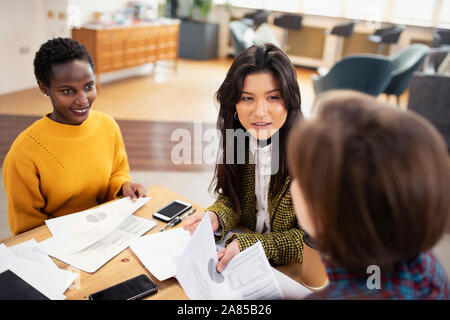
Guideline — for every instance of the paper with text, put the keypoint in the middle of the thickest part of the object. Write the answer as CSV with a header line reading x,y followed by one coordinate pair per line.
x,y
247,276
79,230
91,258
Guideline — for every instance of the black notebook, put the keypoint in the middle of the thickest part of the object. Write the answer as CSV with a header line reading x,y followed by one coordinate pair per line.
x,y
15,288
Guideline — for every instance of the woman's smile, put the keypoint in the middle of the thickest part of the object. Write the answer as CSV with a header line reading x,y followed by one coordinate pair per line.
x,y
80,111
261,108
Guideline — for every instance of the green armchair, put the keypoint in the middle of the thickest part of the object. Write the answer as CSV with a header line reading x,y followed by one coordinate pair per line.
x,y
366,73
405,62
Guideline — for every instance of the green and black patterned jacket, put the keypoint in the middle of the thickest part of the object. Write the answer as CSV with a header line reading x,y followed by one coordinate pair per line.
x,y
284,243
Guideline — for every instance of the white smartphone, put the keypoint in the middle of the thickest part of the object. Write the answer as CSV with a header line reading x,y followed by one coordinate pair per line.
x,y
172,210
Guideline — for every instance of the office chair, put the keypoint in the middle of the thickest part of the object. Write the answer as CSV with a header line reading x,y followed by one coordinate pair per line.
x,y
434,59
405,62
288,22
365,73
259,17
388,35
441,37
341,31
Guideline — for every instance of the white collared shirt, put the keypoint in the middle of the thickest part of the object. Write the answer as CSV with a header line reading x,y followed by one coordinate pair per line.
x,y
263,169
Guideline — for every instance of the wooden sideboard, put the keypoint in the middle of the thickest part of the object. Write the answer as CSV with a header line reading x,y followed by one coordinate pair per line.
x,y
115,48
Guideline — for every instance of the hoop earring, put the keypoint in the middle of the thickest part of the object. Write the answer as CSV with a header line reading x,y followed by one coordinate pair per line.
x,y
236,116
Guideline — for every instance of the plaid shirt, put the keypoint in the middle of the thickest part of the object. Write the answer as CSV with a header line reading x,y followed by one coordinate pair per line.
x,y
284,244
420,278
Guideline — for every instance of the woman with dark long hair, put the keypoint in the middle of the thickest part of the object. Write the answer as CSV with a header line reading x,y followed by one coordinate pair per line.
x,y
259,105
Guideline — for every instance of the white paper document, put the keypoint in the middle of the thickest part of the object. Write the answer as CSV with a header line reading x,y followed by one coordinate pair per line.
x,y
247,276
91,258
30,250
82,229
37,269
193,260
158,251
292,290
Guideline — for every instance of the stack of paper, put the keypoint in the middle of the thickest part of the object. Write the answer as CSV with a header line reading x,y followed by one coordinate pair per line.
x,y
193,260
36,268
88,239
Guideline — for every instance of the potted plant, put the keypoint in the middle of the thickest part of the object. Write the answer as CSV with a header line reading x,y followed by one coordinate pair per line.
x,y
198,37
200,9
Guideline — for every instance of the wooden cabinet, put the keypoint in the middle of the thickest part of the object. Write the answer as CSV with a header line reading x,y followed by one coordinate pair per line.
x,y
124,47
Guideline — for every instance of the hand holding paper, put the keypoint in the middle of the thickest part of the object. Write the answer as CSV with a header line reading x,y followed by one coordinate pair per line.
x,y
247,276
227,254
193,261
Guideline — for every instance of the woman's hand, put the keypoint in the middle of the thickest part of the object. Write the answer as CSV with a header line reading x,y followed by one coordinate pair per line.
x,y
227,254
191,223
133,190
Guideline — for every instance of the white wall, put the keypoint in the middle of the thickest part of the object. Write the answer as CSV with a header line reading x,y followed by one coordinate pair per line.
x,y
21,33
25,25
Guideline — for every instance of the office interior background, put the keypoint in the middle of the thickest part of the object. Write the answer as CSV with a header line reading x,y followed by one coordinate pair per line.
x,y
162,79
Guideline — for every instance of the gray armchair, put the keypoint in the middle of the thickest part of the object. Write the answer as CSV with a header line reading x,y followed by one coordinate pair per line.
x,y
441,37
429,96
239,38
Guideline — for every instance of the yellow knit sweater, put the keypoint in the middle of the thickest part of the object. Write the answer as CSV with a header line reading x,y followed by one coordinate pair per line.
x,y
54,169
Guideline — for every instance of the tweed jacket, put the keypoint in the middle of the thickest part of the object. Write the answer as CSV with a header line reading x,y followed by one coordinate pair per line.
x,y
284,244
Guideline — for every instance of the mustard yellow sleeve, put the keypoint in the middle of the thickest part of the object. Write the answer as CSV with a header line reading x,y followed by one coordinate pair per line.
x,y
281,247
21,181
121,170
227,215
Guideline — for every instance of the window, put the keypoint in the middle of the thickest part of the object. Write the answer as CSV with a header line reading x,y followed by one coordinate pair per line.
x,y
256,4
283,5
374,10
413,10
444,16
322,7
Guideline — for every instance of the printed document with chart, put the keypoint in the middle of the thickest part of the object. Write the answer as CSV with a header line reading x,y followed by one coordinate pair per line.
x,y
247,276
88,239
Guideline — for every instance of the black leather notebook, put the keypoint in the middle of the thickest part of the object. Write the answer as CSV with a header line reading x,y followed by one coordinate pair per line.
x,y
15,288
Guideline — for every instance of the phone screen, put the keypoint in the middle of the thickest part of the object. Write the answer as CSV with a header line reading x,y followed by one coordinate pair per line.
x,y
173,209
131,289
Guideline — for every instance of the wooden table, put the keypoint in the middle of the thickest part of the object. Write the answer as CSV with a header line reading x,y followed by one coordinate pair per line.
x,y
126,265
